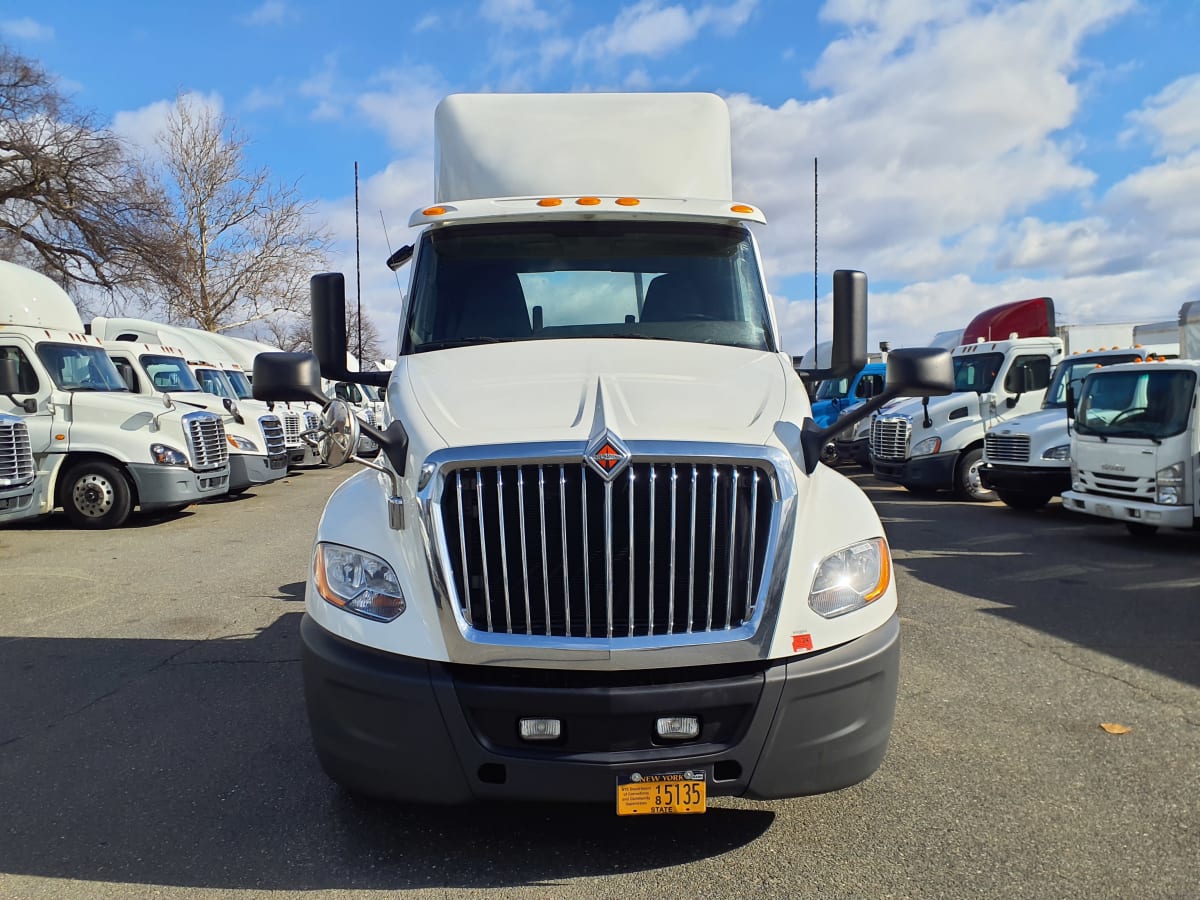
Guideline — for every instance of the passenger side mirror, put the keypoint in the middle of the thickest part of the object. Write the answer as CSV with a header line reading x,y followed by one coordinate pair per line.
x,y
848,353
10,384
340,432
286,377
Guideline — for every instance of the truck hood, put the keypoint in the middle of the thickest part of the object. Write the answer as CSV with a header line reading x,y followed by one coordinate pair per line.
x,y
1123,457
565,390
1045,427
940,408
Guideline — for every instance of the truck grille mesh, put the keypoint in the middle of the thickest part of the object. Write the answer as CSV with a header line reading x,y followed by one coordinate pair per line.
x,y
1006,447
206,441
555,550
16,455
889,438
291,428
1125,487
272,430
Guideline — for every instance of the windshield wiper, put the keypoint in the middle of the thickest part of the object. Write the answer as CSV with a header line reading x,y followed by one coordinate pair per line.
x,y
461,342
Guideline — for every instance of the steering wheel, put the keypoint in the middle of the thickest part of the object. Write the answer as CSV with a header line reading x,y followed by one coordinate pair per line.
x,y
1127,414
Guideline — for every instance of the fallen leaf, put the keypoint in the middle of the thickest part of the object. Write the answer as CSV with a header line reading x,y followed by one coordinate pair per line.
x,y
1114,728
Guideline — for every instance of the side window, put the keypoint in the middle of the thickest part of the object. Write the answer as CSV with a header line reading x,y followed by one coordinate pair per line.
x,y
26,376
1028,373
128,375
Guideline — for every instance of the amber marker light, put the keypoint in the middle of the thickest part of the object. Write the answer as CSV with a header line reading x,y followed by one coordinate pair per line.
x,y
741,208
588,201
628,201
550,201
434,211
885,573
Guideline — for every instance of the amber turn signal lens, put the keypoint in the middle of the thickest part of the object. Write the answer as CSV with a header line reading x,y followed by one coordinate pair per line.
x,y
549,201
588,201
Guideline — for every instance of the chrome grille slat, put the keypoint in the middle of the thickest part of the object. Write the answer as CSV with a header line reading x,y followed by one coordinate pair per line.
x,y
618,561
1006,447
889,438
292,428
272,429
16,455
207,445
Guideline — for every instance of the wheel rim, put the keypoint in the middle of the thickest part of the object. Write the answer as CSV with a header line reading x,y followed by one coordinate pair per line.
x,y
974,483
93,495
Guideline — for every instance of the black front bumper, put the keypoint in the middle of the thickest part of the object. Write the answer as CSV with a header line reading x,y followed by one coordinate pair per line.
x,y
434,732
858,451
1026,479
932,472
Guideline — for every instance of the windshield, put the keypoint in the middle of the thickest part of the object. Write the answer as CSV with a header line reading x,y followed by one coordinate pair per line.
x,y
77,368
554,280
1149,404
834,389
168,373
344,390
213,381
976,371
1074,371
237,380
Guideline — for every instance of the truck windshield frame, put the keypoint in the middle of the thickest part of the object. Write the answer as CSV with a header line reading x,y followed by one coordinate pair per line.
x,y
553,280
75,367
976,372
169,373
1077,370
1151,404
241,387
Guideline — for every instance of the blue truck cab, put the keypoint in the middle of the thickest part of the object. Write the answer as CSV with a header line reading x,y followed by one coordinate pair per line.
x,y
836,394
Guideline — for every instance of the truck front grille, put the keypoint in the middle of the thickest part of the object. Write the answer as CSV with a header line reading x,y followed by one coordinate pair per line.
x,y
206,441
16,455
555,550
1006,447
291,428
1125,487
889,438
272,430
311,420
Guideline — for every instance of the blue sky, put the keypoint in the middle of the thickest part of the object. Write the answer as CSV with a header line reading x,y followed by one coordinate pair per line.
x,y
971,152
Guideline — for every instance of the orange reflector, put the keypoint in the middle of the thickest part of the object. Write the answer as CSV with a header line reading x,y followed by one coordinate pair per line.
x,y
628,201
801,641
741,208
588,201
434,211
60,437
550,201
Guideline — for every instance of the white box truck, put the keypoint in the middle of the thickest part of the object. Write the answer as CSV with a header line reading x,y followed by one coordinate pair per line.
x,y
102,450
600,559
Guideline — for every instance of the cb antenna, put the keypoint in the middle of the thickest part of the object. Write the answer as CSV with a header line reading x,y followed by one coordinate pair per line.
x,y
358,265
816,342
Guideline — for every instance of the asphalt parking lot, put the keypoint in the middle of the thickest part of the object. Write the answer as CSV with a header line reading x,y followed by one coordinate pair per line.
x,y
153,739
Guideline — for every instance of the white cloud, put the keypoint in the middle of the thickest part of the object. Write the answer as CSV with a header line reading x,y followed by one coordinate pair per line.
x,y
142,126
516,15
270,12
261,98
402,104
1171,118
26,29
650,28
427,22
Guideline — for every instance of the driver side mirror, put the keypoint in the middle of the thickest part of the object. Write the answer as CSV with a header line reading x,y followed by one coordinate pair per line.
x,y
10,384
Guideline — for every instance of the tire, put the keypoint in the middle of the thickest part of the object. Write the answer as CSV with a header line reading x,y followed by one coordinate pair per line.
x,y
96,494
1141,529
1017,500
967,485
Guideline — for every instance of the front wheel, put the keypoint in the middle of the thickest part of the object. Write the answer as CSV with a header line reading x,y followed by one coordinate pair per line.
x,y
967,483
1141,529
96,495
1023,501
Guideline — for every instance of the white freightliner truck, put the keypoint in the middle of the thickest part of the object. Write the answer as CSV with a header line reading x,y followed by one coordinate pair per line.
x,y
256,451
929,446
1027,461
598,558
100,449
20,486
1135,439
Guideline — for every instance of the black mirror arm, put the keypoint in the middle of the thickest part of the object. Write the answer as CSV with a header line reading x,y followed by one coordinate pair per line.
x,y
29,405
393,440
813,437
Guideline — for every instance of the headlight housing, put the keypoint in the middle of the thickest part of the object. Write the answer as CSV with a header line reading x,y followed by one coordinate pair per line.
x,y
241,443
1061,452
1170,485
927,447
167,456
851,578
358,582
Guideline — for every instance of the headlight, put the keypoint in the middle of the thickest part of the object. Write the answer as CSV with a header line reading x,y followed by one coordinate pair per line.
x,y
1170,485
1062,451
851,578
167,456
927,447
1076,484
240,443
358,582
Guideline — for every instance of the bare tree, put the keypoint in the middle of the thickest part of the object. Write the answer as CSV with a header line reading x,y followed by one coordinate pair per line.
x,y
243,247
293,332
75,202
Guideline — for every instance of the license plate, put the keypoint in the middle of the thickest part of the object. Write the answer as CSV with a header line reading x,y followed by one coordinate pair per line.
x,y
1103,509
663,793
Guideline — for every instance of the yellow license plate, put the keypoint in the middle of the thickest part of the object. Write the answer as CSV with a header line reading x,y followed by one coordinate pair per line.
x,y
665,793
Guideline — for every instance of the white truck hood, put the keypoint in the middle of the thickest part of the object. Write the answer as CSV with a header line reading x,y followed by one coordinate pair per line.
x,y
556,390
939,408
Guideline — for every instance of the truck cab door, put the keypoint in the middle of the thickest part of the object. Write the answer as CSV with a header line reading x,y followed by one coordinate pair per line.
x,y
1025,385
32,386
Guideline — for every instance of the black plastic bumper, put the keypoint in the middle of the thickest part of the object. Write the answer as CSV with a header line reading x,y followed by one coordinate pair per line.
x,y
246,469
165,486
1026,479
933,472
854,451
438,733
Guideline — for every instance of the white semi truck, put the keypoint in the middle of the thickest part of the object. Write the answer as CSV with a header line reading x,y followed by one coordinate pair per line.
x,y
101,450
20,486
1135,441
1027,461
598,558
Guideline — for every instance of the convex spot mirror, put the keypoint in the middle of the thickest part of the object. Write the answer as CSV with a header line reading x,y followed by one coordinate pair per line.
x,y
920,372
339,433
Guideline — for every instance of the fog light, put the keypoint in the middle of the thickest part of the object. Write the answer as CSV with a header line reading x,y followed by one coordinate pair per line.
x,y
677,728
541,729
